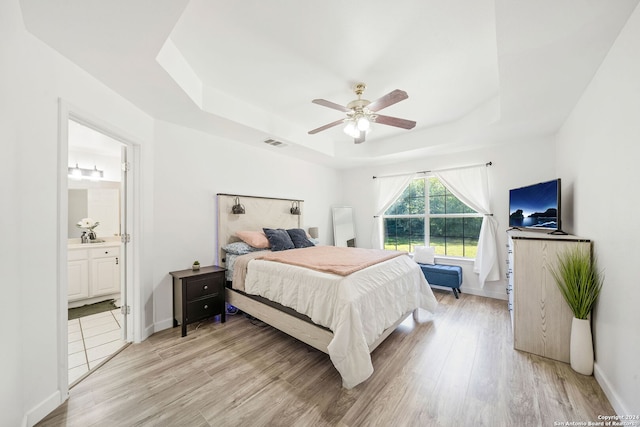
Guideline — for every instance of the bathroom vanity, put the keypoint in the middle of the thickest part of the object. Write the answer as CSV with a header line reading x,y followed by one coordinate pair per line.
x,y
93,272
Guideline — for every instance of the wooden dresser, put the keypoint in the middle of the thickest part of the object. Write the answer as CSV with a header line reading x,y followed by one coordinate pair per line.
x,y
540,316
197,295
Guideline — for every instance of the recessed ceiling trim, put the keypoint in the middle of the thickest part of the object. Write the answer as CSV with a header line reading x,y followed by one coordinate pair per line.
x,y
180,71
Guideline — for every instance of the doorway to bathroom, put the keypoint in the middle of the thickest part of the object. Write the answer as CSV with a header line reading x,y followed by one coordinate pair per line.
x,y
96,248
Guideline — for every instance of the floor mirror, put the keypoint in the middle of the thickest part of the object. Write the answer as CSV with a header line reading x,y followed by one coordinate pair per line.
x,y
344,233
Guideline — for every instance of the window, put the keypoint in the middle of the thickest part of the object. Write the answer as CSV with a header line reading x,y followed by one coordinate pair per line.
x,y
426,213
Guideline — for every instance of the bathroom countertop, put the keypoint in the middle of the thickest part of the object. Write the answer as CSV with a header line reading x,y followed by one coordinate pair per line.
x,y
108,242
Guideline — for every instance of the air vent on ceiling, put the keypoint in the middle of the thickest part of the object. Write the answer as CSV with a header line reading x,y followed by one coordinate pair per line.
x,y
275,143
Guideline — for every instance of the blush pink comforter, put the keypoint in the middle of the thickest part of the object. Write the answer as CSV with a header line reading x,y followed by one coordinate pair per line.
x,y
331,259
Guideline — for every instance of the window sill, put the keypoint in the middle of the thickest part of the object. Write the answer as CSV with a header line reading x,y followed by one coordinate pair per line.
x,y
442,259
452,259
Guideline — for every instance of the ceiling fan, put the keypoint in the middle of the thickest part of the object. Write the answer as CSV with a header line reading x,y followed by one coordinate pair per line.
x,y
360,113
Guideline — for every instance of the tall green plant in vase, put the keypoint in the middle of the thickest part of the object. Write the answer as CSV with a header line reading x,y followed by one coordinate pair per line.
x,y
580,282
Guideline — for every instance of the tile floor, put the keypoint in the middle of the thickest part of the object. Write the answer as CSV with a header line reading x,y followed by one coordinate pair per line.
x,y
92,339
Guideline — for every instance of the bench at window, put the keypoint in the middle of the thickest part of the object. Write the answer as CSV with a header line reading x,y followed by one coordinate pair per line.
x,y
449,276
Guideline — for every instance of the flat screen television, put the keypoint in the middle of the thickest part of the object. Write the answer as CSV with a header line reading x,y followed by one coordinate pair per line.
x,y
536,206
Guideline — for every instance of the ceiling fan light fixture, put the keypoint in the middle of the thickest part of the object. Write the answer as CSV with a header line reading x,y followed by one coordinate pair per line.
x,y
363,124
361,113
351,129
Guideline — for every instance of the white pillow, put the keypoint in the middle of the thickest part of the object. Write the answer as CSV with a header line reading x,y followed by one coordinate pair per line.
x,y
424,254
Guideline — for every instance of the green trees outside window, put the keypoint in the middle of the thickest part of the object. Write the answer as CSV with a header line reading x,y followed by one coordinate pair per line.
x,y
426,213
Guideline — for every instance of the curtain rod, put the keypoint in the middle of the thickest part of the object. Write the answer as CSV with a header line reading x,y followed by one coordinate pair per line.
x,y
436,170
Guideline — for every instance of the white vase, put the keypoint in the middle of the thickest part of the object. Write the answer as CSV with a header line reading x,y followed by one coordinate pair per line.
x,y
581,346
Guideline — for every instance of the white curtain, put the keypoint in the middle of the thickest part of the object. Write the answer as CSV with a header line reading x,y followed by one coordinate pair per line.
x,y
387,190
470,185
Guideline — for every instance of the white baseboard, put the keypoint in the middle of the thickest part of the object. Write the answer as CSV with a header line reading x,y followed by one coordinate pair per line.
x,y
44,408
473,291
613,397
163,324
147,332
484,293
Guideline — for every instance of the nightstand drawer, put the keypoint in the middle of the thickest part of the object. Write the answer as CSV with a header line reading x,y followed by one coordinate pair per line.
x,y
198,287
203,308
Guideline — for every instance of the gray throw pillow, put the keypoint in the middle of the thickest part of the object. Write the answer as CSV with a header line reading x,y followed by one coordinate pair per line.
x,y
279,239
299,238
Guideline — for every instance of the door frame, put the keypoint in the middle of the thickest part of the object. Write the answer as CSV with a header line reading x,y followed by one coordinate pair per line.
x,y
133,323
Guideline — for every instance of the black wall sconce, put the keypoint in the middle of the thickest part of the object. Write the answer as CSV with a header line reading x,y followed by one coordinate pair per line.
x,y
295,208
237,208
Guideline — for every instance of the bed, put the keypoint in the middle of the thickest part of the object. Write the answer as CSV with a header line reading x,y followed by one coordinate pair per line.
x,y
344,315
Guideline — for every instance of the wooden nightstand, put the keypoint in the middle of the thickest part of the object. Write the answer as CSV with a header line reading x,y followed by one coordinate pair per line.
x,y
197,295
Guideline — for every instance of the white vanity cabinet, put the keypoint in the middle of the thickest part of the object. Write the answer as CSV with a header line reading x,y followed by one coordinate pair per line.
x,y
78,274
93,271
105,271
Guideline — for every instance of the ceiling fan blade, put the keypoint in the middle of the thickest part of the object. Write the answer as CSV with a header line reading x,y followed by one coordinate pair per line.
x,y
360,139
394,121
388,99
330,104
327,126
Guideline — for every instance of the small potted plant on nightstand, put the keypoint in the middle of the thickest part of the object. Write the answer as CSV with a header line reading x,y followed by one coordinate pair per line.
x,y
196,265
579,281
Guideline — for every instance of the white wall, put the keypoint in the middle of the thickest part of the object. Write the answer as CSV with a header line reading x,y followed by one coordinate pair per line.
x,y
176,229
598,155
32,78
11,387
191,167
514,165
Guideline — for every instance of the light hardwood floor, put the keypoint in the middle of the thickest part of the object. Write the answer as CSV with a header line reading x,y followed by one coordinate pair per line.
x,y
455,368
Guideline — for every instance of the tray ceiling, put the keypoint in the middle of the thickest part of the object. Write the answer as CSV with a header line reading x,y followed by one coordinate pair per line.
x,y
478,72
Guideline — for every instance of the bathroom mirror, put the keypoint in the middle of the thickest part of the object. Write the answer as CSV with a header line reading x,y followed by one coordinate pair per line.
x,y
100,203
344,233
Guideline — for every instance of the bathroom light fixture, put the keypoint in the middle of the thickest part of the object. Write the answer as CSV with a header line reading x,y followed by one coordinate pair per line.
x,y
295,208
77,172
96,174
237,208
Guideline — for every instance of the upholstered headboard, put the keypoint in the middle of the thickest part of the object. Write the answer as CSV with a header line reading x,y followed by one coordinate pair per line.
x,y
259,212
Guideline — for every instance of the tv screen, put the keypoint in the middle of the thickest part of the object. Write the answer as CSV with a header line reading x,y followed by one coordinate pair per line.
x,y
536,206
